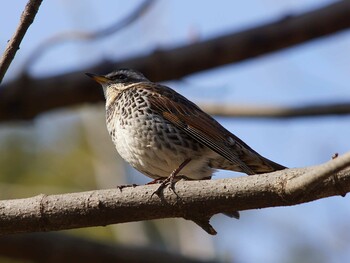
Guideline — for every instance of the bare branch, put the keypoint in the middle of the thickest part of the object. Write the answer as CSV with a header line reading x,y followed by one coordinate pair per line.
x,y
27,19
245,111
43,247
25,97
285,32
313,178
193,200
87,36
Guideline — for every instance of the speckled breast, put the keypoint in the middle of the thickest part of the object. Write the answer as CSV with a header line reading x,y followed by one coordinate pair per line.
x,y
147,141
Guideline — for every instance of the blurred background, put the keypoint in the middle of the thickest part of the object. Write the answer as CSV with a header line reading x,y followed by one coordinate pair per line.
x,y
68,149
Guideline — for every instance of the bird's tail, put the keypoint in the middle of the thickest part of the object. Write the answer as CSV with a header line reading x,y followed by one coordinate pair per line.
x,y
270,166
250,162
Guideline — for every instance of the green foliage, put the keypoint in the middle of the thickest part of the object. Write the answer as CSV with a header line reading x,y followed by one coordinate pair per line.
x,y
31,164
50,156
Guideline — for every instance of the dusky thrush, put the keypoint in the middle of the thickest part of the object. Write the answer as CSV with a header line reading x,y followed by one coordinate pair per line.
x,y
163,135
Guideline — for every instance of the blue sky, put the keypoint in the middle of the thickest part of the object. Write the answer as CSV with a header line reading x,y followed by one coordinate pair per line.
x,y
315,72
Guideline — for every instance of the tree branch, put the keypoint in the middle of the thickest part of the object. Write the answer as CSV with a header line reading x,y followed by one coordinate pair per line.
x,y
86,36
27,19
245,111
43,247
193,200
313,178
25,98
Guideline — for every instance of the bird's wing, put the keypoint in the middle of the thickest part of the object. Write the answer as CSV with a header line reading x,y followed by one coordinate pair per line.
x,y
200,126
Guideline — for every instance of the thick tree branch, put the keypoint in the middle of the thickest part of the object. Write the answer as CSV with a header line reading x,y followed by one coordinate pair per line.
x,y
27,19
25,98
43,247
193,200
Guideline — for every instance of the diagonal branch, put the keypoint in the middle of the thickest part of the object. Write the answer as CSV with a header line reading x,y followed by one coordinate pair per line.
x,y
27,19
25,98
87,36
193,200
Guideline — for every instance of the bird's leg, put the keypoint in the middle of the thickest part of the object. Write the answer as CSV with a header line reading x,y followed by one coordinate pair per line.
x,y
170,179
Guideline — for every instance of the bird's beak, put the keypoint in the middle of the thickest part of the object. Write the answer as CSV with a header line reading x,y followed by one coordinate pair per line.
x,y
98,78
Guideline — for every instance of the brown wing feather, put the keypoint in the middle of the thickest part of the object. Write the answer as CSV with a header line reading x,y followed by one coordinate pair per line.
x,y
188,117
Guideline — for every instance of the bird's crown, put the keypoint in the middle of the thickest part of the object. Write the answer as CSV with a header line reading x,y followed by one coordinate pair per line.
x,y
125,76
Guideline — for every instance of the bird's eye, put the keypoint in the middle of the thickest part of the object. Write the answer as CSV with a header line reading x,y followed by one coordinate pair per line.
x,y
121,76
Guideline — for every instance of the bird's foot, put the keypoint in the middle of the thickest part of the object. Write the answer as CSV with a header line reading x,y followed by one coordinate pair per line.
x,y
171,179
163,184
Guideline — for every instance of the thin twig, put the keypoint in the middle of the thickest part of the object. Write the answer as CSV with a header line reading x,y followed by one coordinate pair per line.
x,y
26,20
86,36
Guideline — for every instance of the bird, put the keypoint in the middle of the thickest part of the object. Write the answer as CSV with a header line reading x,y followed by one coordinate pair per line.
x,y
165,136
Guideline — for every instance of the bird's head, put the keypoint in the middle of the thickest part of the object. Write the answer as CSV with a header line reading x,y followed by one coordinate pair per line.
x,y
118,80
